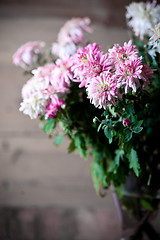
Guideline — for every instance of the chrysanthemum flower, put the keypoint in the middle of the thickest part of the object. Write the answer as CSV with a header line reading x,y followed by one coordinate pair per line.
x,y
35,105
43,76
62,74
28,55
47,81
53,78
142,17
73,31
118,54
128,74
63,50
54,106
71,37
88,63
155,39
102,90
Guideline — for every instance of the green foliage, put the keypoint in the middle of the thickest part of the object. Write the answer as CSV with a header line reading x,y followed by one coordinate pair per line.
x,y
81,145
147,204
49,126
58,140
134,162
116,162
98,175
108,133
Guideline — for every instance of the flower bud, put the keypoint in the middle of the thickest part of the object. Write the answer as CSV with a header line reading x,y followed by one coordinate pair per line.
x,y
94,119
126,122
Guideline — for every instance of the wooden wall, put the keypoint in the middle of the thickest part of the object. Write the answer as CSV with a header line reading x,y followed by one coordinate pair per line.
x,y
111,13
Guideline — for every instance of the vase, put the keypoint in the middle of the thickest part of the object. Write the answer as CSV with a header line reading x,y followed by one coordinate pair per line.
x,y
138,220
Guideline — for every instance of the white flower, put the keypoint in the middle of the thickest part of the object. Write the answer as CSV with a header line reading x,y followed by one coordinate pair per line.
x,y
35,105
34,99
155,39
63,51
28,55
142,17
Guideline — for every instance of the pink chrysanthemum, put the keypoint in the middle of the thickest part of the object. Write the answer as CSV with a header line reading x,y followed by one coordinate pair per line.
x,y
71,37
54,106
54,78
88,63
28,55
128,74
102,90
73,31
62,74
119,54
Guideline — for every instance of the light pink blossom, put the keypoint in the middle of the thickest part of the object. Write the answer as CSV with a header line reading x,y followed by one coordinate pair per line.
x,y
73,31
102,90
88,63
62,74
54,106
39,91
128,74
53,78
28,55
71,37
118,54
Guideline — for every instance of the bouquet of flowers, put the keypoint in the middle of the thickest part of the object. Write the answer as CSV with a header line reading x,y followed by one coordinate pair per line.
x,y
107,103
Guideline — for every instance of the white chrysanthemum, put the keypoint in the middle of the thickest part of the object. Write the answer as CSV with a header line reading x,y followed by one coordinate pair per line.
x,y
155,39
63,51
142,17
35,105
31,86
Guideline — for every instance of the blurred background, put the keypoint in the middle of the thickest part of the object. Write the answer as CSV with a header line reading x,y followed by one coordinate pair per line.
x,y
46,193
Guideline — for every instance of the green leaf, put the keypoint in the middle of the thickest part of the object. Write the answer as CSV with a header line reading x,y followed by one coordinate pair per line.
x,y
137,129
112,110
98,175
49,126
130,109
99,127
72,146
81,144
108,133
146,204
127,136
58,140
116,163
136,126
134,162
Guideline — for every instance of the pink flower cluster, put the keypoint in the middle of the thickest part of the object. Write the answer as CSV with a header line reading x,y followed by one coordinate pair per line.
x,y
41,93
106,75
70,36
88,63
28,55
